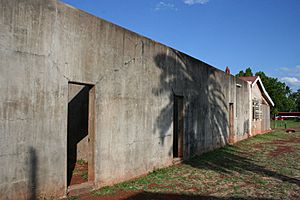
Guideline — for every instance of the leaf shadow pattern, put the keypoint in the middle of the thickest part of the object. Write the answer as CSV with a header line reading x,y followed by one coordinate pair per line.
x,y
227,161
165,196
205,91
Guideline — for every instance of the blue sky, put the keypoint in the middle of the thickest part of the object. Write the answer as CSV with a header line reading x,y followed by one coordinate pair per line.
x,y
261,34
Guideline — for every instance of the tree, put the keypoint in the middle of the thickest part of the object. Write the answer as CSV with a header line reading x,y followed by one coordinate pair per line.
x,y
248,72
240,74
297,101
295,98
279,93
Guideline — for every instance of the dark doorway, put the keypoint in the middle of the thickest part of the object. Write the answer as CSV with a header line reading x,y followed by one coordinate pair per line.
x,y
231,123
178,127
80,133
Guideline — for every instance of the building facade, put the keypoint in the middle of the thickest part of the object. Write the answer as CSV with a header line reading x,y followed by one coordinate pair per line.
x,y
260,106
74,86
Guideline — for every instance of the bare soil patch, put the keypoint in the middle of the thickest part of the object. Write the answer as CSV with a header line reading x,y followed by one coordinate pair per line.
x,y
80,173
281,149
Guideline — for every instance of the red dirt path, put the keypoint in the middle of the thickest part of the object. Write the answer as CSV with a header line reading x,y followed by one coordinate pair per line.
x,y
79,170
281,149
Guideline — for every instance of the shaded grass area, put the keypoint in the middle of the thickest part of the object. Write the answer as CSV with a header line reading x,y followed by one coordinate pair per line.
x,y
263,167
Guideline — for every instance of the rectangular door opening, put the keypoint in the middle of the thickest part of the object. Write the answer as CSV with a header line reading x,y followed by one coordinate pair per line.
x,y
80,139
178,121
231,123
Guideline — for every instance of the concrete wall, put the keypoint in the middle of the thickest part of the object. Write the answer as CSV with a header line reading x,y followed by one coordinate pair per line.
x,y
266,127
45,44
243,113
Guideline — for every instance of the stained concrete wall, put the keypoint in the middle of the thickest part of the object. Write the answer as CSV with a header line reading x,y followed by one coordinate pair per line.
x,y
243,113
45,44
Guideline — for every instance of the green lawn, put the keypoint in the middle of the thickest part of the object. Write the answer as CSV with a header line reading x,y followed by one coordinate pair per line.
x,y
281,123
263,167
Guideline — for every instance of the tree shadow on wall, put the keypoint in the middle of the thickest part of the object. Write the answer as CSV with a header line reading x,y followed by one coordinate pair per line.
x,y
205,107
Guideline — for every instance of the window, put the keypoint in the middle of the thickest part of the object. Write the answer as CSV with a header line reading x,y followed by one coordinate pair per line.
x,y
257,110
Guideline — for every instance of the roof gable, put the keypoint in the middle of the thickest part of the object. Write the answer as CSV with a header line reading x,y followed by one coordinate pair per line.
x,y
256,80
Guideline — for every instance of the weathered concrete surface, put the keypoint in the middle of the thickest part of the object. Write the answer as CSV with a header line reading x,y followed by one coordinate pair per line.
x,y
243,113
33,99
45,44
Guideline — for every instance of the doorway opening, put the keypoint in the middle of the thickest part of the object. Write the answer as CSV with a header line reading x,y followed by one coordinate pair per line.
x,y
231,123
80,134
178,129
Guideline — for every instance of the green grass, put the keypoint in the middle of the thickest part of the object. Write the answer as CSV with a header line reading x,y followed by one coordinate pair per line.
x,y
105,190
84,175
281,123
245,169
81,162
73,198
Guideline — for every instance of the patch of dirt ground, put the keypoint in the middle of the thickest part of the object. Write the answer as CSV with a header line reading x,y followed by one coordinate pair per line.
x,y
80,173
281,149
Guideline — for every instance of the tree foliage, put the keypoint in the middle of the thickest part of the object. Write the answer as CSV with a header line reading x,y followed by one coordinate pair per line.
x,y
284,99
248,72
295,98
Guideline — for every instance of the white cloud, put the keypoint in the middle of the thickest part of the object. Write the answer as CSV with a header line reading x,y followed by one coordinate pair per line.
x,y
192,2
290,75
290,69
289,72
292,82
165,6
285,69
